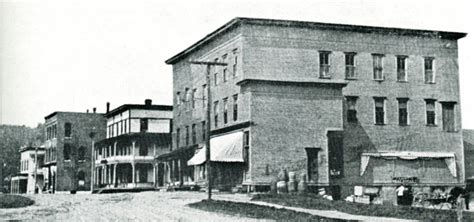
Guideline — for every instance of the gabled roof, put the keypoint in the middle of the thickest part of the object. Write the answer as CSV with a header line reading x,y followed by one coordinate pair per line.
x,y
315,25
138,106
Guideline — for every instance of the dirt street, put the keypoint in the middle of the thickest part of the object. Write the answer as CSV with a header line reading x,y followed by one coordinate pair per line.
x,y
144,206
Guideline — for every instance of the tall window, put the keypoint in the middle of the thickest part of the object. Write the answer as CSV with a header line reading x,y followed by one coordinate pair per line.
x,y
401,69
216,113
67,130
178,137
224,103
378,66
234,64
187,135
193,98
351,109
402,111
204,97
143,125
429,70
448,117
67,151
216,72
324,64
125,126
430,112
235,107
350,65
186,98
379,110
224,70
193,133
203,130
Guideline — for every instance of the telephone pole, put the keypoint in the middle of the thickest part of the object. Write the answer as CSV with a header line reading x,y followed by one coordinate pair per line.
x,y
208,120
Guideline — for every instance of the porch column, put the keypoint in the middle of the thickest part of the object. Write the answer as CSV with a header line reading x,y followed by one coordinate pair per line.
x,y
114,182
133,174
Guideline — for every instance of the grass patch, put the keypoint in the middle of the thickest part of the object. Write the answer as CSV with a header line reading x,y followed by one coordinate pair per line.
x,y
256,211
14,201
313,201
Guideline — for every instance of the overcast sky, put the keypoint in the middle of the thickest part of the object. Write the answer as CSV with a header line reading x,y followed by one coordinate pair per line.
x,y
75,55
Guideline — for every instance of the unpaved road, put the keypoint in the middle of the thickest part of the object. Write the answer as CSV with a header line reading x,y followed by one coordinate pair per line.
x,y
144,206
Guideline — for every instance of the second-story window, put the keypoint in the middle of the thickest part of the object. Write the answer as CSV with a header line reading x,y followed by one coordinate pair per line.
x,y
350,65
216,113
224,104
324,64
67,151
402,111
401,69
143,125
351,109
193,98
378,66
448,117
234,64
430,112
193,134
429,70
379,110
67,130
235,107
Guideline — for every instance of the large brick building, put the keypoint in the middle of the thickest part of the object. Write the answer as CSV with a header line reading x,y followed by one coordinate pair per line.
x,y
125,160
347,105
68,149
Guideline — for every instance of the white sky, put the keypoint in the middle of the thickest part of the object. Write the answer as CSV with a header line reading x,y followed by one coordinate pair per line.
x,y
75,55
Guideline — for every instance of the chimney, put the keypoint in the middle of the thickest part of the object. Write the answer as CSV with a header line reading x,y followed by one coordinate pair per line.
x,y
94,110
87,111
147,102
108,107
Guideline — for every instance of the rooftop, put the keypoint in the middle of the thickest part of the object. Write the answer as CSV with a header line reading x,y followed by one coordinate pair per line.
x,y
72,113
314,25
138,106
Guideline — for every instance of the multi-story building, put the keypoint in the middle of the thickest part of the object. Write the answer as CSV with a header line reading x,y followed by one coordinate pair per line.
x,y
69,137
30,179
346,105
136,133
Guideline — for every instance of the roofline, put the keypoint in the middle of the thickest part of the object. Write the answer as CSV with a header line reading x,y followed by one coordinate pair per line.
x,y
27,148
294,82
70,112
319,25
138,106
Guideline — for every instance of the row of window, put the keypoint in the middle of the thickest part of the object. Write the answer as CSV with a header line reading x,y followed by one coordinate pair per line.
x,y
50,155
122,127
378,67
403,117
225,72
110,151
216,110
24,165
51,132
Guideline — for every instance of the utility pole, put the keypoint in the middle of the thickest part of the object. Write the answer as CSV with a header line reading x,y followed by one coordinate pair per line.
x,y
91,135
36,169
208,120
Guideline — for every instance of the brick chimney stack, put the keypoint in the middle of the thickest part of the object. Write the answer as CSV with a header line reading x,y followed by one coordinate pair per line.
x,y
148,102
107,107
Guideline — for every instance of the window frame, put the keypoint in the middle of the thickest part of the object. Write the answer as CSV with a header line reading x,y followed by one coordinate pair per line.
x,y
402,100
351,114
384,110
350,68
377,68
235,107
324,64
425,70
403,69
427,101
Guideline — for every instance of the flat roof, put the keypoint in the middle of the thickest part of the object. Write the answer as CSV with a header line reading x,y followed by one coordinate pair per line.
x,y
67,112
138,106
338,83
315,25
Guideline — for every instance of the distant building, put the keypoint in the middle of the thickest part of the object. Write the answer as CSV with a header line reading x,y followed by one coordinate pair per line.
x,y
68,149
346,105
31,176
136,133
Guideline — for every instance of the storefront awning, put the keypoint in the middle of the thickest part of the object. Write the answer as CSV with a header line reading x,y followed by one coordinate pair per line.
x,y
449,158
226,148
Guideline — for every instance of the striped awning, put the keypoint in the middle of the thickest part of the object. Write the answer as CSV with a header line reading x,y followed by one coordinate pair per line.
x,y
225,148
